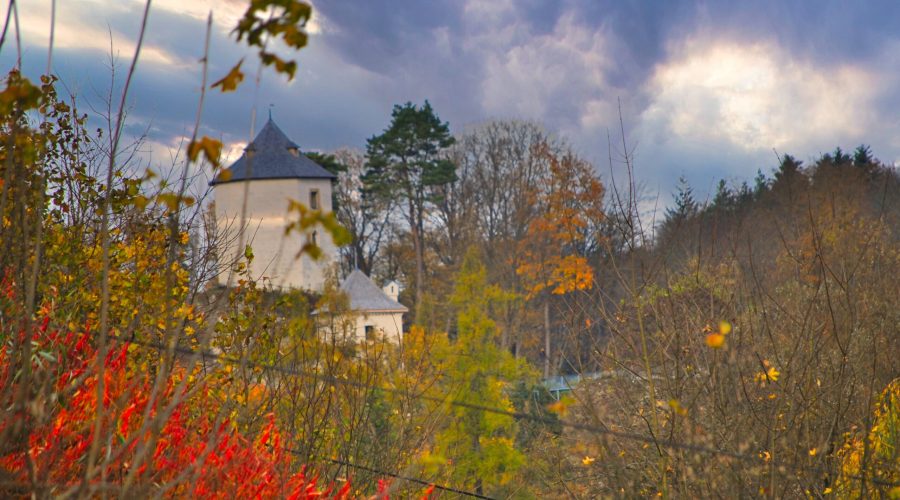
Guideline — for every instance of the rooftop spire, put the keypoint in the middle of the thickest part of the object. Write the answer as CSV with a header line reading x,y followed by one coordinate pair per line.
x,y
275,156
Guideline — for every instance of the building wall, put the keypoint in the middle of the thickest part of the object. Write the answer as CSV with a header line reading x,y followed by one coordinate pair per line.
x,y
352,326
389,324
267,216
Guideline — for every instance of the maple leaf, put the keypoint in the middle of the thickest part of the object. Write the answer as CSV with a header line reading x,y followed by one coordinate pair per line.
x,y
230,82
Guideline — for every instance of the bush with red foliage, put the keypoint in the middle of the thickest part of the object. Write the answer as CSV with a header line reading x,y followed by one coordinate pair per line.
x,y
167,440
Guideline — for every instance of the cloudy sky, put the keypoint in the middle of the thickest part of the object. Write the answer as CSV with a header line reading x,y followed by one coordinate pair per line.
x,y
707,89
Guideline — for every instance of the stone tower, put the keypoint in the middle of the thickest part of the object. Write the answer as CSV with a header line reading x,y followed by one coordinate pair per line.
x,y
270,172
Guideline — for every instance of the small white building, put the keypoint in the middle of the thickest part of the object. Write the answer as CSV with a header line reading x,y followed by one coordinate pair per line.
x,y
376,310
270,172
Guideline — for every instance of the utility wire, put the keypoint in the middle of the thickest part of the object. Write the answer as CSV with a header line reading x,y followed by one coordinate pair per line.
x,y
211,355
208,354
402,477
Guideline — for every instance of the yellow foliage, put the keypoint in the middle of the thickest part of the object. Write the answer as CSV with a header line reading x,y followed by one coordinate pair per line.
x,y
211,149
677,408
770,374
230,82
882,452
724,327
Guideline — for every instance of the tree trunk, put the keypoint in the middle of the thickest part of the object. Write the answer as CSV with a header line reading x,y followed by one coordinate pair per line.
x,y
547,338
476,446
415,229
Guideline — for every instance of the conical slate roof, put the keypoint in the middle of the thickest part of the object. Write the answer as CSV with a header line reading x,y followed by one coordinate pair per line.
x,y
273,156
366,296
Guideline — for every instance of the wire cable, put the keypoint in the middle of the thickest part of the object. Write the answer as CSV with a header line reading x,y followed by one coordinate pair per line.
x,y
207,354
402,477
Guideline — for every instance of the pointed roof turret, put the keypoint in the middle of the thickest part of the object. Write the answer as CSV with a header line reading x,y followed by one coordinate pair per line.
x,y
366,296
272,155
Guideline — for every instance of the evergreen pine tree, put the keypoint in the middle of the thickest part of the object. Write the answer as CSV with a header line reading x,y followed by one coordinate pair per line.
x,y
405,163
685,205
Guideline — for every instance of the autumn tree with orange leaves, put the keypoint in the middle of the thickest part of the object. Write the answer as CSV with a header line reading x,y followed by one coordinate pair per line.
x,y
555,247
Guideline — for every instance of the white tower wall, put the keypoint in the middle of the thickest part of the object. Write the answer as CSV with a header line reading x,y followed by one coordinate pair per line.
x,y
275,254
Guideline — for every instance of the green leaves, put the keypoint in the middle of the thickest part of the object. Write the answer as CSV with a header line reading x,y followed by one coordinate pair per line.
x,y
328,162
282,66
307,220
480,445
266,21
407,156
287,19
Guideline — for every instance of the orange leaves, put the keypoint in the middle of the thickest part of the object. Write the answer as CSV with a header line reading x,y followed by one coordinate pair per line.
x,y
572,273
716,339
565,274
553,258
561,407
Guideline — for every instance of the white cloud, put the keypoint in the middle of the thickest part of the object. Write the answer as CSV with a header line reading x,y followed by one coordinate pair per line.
x,y
542,74
225,13
756,96
75,30
490,12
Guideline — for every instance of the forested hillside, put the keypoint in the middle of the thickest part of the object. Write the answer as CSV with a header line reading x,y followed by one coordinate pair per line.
x,y
744,345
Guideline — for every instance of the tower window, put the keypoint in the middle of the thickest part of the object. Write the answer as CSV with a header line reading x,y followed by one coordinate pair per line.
x,y
314,199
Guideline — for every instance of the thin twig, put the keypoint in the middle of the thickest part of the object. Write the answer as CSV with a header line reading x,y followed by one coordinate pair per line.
x,y
105,244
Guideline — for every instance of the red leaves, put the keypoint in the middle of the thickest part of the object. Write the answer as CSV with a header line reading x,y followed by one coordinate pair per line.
x,y
382,490
126,416
226,464
344,492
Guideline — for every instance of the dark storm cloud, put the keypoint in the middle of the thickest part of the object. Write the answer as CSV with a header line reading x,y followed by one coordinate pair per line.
x,y
378,35
564,63
391,38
